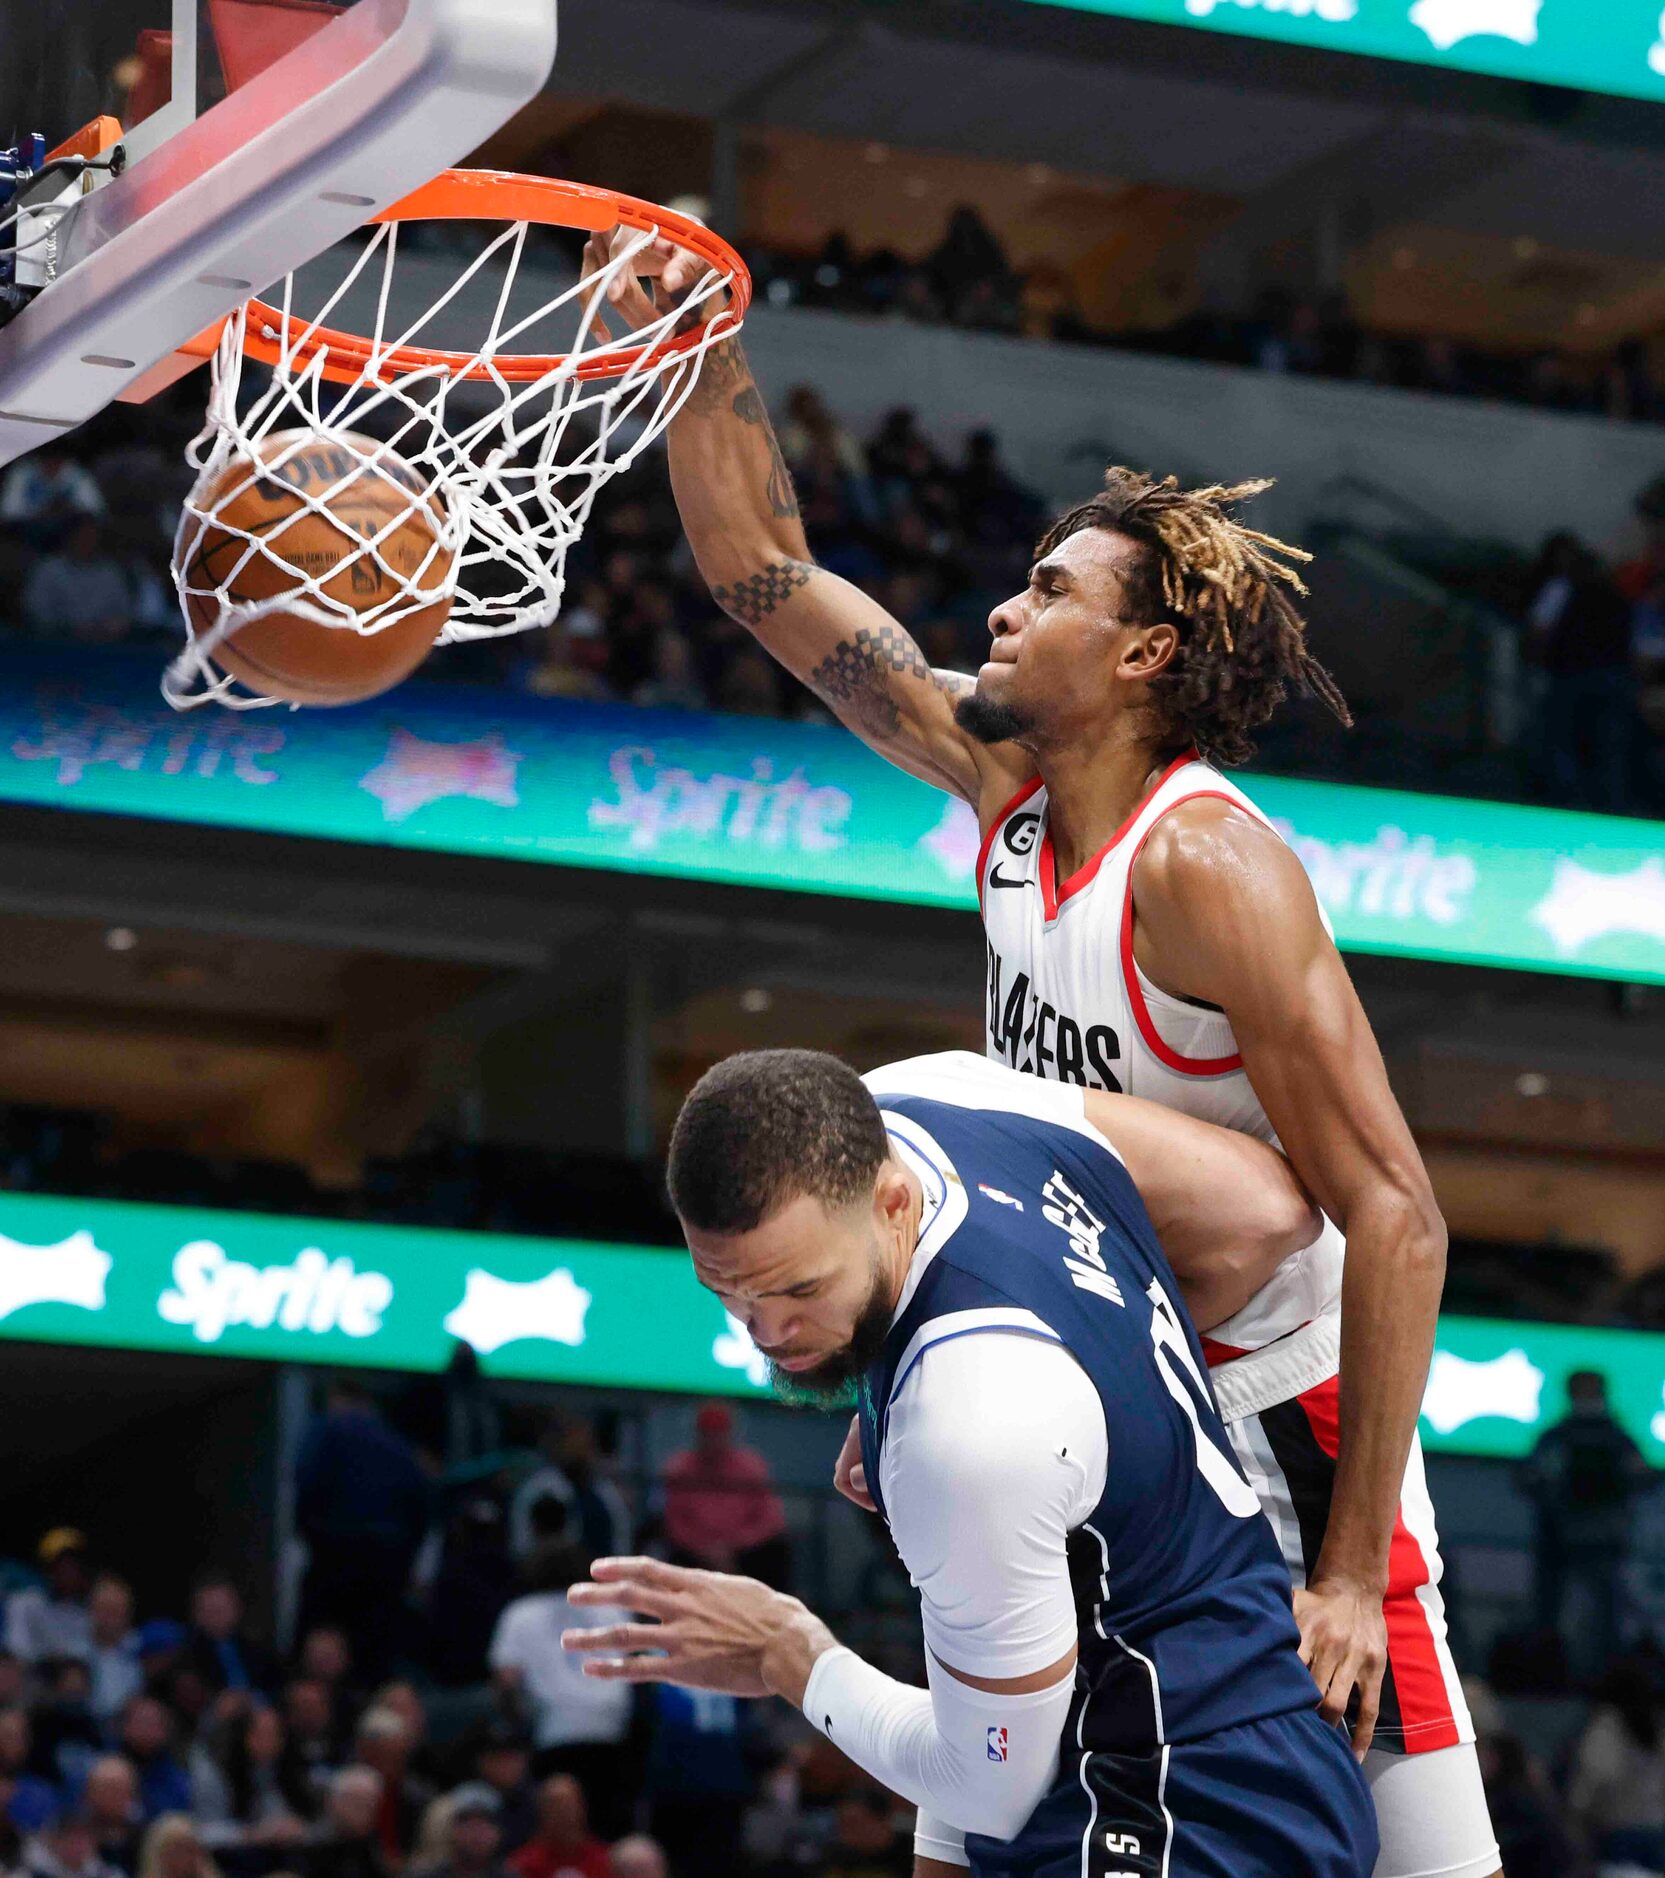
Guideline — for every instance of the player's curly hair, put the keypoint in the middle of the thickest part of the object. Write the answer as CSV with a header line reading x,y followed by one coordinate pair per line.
x,y
1229,589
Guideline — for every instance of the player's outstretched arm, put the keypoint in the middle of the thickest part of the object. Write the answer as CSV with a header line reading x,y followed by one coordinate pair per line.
x,y
1227,1208
1229,917
740,512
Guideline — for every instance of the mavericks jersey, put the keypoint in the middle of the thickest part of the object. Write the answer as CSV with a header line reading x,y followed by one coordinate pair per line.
x,y
1182,1599
1066,1000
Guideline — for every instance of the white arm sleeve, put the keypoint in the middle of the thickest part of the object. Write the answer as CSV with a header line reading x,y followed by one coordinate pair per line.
x,y
995,1449
933,1838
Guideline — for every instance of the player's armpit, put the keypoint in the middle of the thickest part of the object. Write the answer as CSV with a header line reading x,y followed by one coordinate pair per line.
x,y
1228,1209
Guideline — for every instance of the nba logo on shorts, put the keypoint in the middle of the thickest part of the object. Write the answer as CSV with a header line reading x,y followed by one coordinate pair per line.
x,y
997,1744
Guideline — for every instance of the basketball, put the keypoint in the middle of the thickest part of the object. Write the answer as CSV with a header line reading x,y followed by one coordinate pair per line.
x,y
313,518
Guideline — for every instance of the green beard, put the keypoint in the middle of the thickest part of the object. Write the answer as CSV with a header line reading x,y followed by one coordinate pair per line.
x,y
831,1383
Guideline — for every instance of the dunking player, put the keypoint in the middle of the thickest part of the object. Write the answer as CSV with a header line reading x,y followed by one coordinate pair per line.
x,y
1149,931
1115,1690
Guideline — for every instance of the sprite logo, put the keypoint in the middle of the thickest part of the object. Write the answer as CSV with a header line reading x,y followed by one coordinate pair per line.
x,y
313,1296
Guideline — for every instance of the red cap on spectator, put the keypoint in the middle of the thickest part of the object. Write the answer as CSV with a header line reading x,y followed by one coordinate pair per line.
x,y
714,1419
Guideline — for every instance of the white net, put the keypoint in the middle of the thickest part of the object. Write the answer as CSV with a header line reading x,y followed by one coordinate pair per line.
x,y
492,476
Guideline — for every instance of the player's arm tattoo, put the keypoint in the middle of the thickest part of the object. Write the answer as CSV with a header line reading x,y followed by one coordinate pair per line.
x,y
750,409
726,383
753,599
856,678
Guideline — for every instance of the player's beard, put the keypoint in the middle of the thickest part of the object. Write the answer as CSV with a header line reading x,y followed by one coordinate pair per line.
x,y
830,1384
990,721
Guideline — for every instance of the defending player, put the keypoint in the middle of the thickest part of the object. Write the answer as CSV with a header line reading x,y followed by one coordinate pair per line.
x,y
1148,930
1114,1685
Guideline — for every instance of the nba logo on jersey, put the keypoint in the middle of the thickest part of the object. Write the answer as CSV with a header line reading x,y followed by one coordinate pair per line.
x,y
997,1744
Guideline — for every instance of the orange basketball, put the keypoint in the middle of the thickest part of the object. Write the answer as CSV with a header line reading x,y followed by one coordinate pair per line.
x,y
285,655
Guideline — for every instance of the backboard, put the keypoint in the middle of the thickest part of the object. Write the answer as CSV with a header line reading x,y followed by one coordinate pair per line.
x,y
230,140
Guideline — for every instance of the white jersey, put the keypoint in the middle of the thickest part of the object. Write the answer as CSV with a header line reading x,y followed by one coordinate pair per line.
x,y
1066,1000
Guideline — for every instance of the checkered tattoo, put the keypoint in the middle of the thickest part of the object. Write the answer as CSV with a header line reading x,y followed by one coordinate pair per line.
x,y
854,678
752,600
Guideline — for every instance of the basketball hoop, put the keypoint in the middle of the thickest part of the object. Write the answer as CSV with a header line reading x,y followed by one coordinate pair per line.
x,y
508,448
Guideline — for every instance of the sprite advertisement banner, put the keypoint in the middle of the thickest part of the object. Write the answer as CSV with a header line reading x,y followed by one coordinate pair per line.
x,y
762,803
195,1282
1595,45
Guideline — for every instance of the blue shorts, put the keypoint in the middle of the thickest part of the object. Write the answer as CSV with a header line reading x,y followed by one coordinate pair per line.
x,y
1280,1798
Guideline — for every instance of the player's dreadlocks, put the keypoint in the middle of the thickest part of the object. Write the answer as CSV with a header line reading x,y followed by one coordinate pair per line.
x,y
1228,588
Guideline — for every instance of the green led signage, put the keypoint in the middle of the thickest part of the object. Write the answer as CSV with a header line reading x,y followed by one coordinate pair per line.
x,y
1595,45
337,1292
758,803
194,1282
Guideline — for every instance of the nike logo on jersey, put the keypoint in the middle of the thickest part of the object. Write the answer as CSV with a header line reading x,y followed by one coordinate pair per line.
x,y
998,879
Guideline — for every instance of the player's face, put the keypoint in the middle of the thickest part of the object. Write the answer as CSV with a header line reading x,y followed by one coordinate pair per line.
x,y
810,1284
1062,652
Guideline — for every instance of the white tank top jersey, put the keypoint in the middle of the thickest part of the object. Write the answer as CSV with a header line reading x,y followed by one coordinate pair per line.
x,y
1066,1000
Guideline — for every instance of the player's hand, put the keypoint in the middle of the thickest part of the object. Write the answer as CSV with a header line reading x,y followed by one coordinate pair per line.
x,y
1344,1644
849,1475
668,271
705,1630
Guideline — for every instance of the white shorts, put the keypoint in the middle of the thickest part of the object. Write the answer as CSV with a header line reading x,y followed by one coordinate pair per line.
x,y
1431,1809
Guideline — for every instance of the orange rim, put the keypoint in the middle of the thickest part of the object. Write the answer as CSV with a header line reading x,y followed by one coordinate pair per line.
x,y
497,196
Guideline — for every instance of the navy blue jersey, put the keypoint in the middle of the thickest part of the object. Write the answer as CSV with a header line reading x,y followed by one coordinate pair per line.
x,y
1182,1599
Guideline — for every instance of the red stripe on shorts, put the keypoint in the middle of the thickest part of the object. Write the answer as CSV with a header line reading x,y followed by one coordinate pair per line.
x,y
1424,1704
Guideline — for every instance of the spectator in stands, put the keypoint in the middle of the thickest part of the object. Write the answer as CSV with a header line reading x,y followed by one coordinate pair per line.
x,y
219,1649
1531,1833
867,1842
433,1839
173,1849
113,1654
579,1725
699,1776
1582,1477
53,1620
638,1856
382,1740
586,1504
503,1760
813,441
362,1505
314,1736
110,1801
475,1580
65,1848
45,493
476,1836
672,684
561,669
33,1797
970,275
1578,635
67,1737
403,1700
1617,1787
161,1644
79,591
251,1788
562,1842
721,1509
344,1844
147,1741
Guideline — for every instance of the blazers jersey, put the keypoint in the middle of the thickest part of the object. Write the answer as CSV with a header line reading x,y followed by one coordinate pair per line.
x,y
1066,1000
